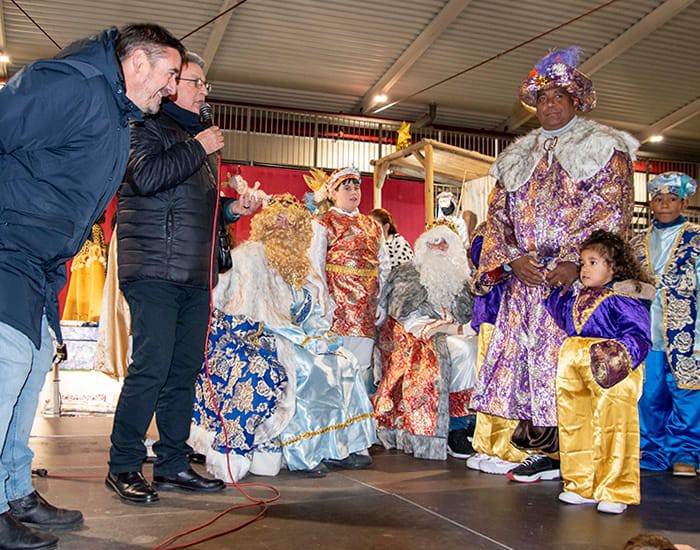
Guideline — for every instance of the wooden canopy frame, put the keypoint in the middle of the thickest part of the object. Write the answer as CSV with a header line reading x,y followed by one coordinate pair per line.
x,y
434,162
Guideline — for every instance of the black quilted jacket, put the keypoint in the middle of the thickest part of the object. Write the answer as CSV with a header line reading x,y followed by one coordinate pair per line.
x,y
166,206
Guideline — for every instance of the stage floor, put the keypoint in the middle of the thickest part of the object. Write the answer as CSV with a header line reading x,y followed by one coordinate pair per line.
x,y
400,503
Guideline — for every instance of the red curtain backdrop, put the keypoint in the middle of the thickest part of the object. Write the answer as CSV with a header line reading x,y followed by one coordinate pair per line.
x,y
404,199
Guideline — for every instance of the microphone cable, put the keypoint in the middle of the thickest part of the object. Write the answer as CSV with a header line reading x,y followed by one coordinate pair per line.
x,y
263,503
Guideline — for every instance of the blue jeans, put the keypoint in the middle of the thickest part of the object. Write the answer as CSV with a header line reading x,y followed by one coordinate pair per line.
x,y
23,369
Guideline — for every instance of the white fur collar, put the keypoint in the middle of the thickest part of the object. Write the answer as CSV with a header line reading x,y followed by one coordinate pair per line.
x,y
582,152
242,289
252,288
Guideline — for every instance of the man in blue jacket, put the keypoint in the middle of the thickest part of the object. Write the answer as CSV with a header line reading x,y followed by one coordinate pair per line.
x,y
64,146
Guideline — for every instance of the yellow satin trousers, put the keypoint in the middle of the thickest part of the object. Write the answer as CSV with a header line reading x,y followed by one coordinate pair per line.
x,y
598,428
492,433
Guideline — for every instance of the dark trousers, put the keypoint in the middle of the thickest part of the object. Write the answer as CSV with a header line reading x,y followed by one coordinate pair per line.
x,y
168,327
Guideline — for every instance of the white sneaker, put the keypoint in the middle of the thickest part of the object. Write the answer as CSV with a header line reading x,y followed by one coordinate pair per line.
x,y
474,460
574,498
608,507
494,465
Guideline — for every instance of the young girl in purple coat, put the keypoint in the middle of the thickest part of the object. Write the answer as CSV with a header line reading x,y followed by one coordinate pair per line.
x,y
598,384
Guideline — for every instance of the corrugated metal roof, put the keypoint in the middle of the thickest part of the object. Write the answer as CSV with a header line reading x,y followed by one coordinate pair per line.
x,y
325,55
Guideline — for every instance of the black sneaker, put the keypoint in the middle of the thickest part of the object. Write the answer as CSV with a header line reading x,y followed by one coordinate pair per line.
x,y
458,444
319,471
471,427
354,461
535,468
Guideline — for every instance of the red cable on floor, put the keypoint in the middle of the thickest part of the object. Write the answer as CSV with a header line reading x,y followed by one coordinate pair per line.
x,y
253,501
262,502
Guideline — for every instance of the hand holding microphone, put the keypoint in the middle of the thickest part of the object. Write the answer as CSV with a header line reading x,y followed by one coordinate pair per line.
x,y
211,139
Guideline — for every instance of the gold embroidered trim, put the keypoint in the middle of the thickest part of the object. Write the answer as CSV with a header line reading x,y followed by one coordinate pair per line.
x,y
370,272
581,315
328,429
432,326
664,297
329,339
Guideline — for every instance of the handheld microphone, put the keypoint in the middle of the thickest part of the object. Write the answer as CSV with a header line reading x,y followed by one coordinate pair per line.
x,y
205,115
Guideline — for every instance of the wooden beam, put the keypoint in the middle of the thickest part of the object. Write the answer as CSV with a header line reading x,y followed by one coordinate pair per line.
x,y
217,34
429,185
419,156
413,52
672,120
640,30
379,177
401,153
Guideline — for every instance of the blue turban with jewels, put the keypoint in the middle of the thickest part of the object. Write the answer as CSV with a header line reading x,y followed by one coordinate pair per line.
x,y
678,183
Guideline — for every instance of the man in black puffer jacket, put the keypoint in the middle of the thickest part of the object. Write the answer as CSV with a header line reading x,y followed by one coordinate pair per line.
x,y
165,232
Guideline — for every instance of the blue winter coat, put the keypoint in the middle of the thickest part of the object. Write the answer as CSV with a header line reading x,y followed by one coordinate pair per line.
x,y
64,145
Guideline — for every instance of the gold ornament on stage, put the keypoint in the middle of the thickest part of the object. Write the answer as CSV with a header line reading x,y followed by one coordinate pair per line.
x,y
404,136
317,180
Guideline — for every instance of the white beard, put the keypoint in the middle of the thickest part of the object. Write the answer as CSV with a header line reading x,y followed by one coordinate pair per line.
x,y
252,288
442,273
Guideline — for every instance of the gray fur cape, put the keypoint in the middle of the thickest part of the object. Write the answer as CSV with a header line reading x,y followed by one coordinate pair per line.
x,y
402,296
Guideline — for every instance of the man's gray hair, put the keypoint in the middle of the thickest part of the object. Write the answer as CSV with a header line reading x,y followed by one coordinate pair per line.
x,y
191,57
151,38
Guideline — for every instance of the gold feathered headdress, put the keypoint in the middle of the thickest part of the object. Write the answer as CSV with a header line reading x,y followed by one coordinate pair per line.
x,y
317,182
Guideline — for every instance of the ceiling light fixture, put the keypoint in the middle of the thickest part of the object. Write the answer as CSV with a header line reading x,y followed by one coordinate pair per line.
x,y
4,58
656,138
380,98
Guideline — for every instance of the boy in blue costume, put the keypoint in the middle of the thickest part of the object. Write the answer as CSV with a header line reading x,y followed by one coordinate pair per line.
x,y
669,410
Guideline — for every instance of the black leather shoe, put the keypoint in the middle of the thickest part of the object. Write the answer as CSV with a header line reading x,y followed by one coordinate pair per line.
x,y
131,487
34,511
352,462
189,480
318,472
17,536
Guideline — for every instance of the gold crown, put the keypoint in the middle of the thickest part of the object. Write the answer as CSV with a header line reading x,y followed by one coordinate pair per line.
x,y
442,221
286,200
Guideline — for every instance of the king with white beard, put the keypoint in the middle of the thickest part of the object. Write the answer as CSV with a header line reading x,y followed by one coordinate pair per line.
x,y
428,350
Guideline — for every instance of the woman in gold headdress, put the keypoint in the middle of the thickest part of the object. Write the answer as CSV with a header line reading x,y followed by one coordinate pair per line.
x,y
279,378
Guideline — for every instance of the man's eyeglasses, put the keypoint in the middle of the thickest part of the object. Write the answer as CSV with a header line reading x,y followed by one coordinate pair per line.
x,y
198,82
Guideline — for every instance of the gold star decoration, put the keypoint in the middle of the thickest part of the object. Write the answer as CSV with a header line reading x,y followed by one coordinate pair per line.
x,y
404,136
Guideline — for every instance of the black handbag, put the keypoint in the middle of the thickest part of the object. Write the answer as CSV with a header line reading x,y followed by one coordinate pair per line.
x,y
223,245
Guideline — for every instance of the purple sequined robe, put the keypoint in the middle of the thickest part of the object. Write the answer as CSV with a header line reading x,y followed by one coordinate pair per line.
x,y
550,213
